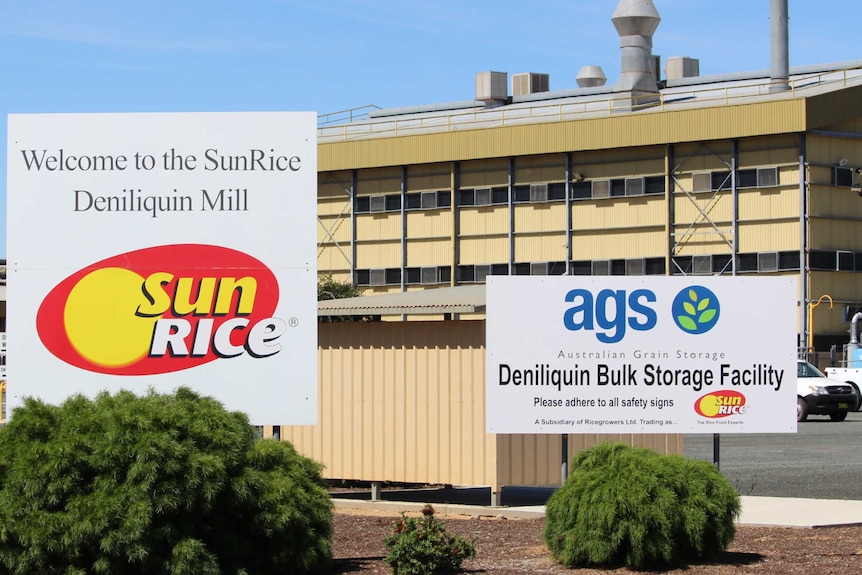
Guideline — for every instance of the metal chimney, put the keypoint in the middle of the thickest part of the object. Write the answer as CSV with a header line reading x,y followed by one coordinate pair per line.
x,y
780,46
636,22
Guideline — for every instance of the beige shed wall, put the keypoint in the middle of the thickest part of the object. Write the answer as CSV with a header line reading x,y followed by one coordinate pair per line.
x,y
405,402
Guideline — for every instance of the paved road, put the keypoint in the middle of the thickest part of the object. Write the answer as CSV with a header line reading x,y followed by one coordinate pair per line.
x,y
823,460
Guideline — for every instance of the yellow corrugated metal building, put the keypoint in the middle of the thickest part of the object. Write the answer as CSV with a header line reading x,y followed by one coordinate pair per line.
x,y
753,173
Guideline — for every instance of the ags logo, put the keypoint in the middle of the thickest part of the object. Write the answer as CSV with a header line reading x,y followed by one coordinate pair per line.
x,y
722,403
162,309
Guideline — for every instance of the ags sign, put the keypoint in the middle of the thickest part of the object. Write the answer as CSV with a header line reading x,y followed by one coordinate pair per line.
x,y
162,309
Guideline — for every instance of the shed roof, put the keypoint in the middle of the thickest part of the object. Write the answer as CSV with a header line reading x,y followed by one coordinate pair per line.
x,y
458,299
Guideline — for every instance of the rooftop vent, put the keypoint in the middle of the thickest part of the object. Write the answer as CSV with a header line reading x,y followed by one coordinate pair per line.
x,y
590,77
491,88
530,83
636,22
679,67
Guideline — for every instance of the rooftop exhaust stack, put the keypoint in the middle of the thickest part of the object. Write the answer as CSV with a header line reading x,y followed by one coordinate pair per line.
x,y
590,77
636,22
780,67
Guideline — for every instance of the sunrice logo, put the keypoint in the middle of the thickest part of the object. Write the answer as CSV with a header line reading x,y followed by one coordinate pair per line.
x,y
611,313
695,310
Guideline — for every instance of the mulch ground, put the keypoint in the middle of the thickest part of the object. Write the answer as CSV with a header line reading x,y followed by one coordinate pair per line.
x,y
515,547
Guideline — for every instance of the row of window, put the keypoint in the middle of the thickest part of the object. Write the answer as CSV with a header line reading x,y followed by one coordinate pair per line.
x,y
580,190
819,260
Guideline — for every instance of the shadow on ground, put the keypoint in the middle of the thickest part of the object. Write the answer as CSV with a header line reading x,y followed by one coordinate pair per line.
x,y
515,496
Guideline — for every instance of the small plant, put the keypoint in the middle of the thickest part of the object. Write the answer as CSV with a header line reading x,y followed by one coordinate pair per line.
x,y
421,546
633,506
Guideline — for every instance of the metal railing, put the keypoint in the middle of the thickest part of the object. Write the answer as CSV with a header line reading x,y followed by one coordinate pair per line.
x,y
569,108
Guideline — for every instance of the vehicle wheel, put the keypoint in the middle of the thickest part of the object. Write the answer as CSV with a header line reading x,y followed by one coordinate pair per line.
x,y
858,397
801,409
840,416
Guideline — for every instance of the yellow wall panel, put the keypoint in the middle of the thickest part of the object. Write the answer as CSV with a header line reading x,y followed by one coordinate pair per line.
x,y
540,217
630,130
334,207
330,259
379,226
378,255
429,223
484,173
540,169
541,248
616,213
378,181
616,244
834,202
332,229
769,236
333,185
769,203
426,177
826,151
484,220
429,252
831,234
484,250
703,207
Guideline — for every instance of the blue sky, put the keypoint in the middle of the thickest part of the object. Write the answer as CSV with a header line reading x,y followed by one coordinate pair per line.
x,y
333,55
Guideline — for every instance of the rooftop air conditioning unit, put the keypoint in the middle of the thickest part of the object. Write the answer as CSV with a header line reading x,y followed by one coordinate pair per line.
x,y
530,83
491,88
538,192
678,67
483,196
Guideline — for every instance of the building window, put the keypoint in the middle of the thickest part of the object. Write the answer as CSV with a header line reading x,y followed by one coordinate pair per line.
x,y
429,275
428,200
378,277
842,176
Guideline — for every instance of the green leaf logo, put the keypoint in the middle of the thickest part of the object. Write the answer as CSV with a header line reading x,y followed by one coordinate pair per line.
x,y
696,310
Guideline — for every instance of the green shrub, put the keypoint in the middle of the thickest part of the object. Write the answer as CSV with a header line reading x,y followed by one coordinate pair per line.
x,y
632,506
160,484
421,546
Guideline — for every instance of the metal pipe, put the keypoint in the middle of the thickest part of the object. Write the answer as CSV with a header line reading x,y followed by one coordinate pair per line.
x,y
779,71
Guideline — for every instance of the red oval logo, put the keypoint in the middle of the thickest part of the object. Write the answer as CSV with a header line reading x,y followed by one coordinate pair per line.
x,y
162,309
722,403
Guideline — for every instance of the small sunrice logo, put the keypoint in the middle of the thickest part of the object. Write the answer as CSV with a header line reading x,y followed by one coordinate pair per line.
x,y
162,309
720,404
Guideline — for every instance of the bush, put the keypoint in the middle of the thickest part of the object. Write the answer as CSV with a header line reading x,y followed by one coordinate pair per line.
x,y
632,506
160,484
422,546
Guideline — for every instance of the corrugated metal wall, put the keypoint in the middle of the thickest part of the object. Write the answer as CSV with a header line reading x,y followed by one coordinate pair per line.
x,y
404,402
